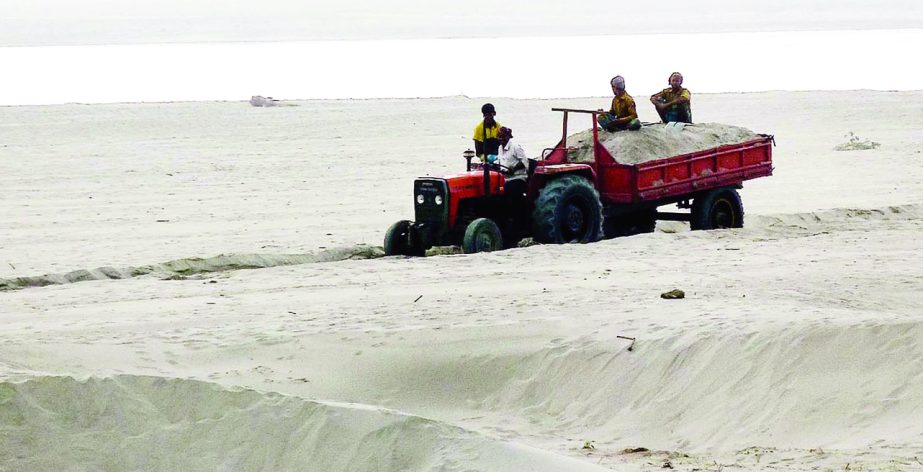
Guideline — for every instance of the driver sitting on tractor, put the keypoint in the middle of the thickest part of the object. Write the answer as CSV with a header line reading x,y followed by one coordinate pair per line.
x,y
514,163
511,156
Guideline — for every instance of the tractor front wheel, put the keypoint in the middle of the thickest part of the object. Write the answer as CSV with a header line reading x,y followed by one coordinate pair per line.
x,y
567,210
718,209
482,235
400,240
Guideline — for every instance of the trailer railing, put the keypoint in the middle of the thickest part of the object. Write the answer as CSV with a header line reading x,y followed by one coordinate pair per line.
x,y
593,114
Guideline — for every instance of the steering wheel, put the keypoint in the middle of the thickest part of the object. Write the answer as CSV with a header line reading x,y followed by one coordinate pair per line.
x,y
498,167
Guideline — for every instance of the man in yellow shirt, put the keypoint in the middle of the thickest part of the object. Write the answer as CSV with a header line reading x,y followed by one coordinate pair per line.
x,y
673,103
487,133
622,114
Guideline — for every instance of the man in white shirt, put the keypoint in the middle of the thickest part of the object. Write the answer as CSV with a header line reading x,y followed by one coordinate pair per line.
x,y
512,157
516,170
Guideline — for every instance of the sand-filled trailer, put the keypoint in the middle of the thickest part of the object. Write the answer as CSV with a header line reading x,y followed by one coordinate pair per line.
x,y
704,181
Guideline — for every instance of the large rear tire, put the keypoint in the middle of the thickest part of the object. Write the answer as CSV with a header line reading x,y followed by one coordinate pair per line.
x,y
718,209
482,235
400,241
567,210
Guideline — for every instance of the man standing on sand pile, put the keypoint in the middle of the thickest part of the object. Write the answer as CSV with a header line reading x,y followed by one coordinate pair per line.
x,y
487,133
673,103
622,114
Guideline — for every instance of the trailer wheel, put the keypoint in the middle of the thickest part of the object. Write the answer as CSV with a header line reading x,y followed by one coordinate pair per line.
x,y
630,224
482,235
717,209
400,240
567,210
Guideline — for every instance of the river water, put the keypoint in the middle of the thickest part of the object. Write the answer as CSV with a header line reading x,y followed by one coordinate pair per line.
x,y
540,67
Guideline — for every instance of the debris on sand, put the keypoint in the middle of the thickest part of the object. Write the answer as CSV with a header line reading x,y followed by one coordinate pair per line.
x,y
635,450
674,294
261,101
856,143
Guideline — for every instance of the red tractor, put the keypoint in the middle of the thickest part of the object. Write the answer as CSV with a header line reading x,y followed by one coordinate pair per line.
x,y
578,203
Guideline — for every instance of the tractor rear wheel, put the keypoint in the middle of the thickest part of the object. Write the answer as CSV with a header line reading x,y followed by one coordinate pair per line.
x,y
718,209
567,210
400,241
482,235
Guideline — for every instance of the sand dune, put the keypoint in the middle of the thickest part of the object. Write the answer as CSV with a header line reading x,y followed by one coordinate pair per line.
x,y
151,423
794,349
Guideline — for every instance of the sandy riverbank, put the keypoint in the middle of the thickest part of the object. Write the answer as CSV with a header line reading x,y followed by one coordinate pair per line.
x,y
796,347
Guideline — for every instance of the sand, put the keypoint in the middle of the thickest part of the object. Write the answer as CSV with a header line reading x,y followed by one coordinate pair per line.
x,y
656,141
269,335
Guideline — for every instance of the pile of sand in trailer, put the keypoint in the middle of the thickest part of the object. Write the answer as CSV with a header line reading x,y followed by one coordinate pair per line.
x,y
656,141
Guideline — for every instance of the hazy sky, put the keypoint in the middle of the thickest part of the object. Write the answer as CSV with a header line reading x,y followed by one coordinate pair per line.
x,y
69,22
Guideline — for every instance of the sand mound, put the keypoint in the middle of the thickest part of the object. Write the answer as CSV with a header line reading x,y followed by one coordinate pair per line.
x,y
820,222
790,386
839,219
151,423
191,266
657,141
